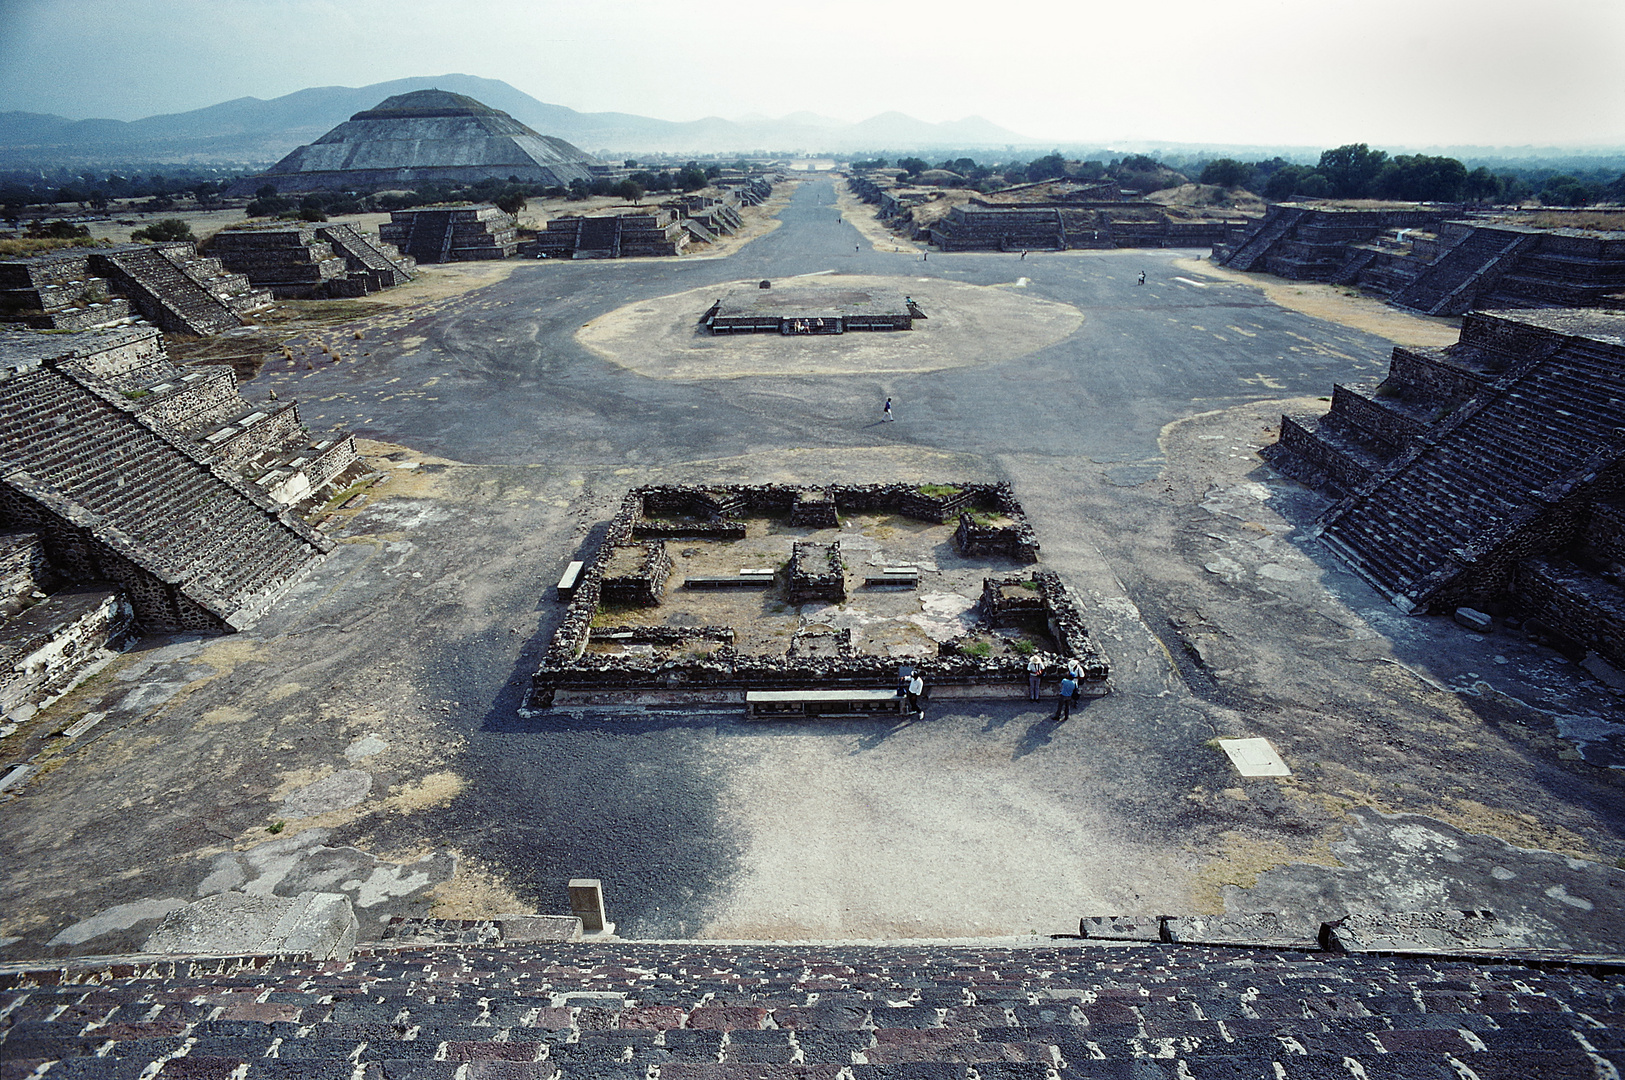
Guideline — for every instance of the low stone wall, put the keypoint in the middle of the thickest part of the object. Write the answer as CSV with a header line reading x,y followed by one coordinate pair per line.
x,y
817,572
567,664
1015,541
642,586
1573,607
814,510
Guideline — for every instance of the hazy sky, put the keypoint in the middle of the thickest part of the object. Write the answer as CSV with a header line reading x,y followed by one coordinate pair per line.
x,y
1300,72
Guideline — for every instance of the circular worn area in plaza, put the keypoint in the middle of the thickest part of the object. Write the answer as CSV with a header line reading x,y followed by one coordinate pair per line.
x,y
664,337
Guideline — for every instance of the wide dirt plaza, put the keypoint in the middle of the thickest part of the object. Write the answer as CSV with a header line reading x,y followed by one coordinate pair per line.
x,y
367,738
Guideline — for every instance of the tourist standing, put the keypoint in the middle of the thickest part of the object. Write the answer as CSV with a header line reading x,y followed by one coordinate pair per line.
x,y
1035,673
1063,704
1142,278
885,411
916,691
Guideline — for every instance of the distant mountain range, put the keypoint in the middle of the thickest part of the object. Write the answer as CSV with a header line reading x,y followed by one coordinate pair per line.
x,y
252,132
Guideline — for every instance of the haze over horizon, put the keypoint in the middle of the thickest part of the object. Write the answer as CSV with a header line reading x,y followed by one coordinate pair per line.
x,y
1253,72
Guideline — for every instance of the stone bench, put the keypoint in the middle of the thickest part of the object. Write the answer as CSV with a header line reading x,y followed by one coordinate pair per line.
x,y
768,704
745,579
906,577
567,583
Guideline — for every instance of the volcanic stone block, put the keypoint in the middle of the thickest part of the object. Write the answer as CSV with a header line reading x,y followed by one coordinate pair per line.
x,y
817,572
636,574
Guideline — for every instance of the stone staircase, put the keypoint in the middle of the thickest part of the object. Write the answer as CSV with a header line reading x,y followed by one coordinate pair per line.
x,y
179,291
382,264
617,1010
1279,221
1471,266
599,238
1484,485
125,501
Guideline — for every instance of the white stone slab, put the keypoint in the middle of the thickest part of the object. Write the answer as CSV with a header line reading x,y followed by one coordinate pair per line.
x,y
83,724
16,775
1254,757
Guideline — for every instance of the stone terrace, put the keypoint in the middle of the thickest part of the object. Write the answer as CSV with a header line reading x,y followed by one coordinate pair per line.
x,y
699,1011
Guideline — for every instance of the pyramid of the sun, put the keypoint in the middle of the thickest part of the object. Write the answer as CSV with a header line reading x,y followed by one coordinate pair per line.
x,y
427,135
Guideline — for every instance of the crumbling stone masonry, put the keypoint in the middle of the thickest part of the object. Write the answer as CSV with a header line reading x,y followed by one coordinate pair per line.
x,y
635,574
711,512
1014,539
1488,474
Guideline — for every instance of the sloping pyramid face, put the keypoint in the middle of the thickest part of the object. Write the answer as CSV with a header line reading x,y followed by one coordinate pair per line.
x,y
428,135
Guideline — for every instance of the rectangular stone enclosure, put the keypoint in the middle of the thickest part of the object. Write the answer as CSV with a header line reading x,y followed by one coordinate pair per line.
x,y
722,589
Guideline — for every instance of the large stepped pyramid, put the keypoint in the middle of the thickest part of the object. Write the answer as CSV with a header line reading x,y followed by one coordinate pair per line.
x,y
1484,474
618,1010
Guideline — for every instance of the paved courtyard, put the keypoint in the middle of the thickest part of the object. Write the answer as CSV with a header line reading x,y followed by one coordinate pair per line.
x,y
366,738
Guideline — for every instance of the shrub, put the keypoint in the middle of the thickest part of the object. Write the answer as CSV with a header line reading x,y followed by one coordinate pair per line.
x,y
163,231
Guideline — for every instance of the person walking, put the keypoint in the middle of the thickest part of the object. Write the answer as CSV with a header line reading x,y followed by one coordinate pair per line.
x,y
1035,674
1063,704
885,411
914,702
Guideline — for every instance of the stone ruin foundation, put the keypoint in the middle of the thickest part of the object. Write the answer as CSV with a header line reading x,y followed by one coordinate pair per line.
x,y
633,567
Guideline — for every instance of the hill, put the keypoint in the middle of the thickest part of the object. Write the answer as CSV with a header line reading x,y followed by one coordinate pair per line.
x,y
251,131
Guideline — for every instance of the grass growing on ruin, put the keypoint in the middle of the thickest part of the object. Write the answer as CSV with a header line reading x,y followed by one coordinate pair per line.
x,y
939,491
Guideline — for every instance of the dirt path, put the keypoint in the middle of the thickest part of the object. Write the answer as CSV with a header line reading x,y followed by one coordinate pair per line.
x,y
861,216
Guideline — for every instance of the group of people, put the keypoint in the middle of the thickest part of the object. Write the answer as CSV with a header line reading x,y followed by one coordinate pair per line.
x,y
911,687
1071,683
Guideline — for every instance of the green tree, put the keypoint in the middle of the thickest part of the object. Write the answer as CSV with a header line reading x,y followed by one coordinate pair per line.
x,y
511,202
912,165
163,231
1047,167
630,190
1421,178
1351,170
1564,190
1226,172
1482,185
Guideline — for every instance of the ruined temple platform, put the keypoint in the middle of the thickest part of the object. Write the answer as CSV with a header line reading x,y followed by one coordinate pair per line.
x,y
812,309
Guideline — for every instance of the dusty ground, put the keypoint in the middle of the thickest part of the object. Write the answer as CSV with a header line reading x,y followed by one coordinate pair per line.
x,y
964,324
883,621
365,738
1340,304
861,216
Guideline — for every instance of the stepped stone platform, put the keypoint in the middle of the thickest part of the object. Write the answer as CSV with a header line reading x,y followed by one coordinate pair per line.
x,y
810,309
1487,474
617,1010
622,634
1432,260
625,233
169,285
462,233
423,136
159,479
307,261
